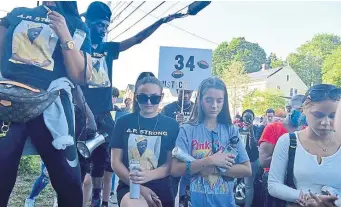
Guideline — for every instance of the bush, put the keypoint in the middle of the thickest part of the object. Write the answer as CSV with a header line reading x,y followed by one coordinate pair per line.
x,y
29,165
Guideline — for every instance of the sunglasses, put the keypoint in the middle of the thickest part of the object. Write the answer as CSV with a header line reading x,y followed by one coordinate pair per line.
x,y
143,99
317,95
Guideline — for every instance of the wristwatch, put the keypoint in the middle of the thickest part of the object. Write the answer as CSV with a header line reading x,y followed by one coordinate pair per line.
x,y
68,45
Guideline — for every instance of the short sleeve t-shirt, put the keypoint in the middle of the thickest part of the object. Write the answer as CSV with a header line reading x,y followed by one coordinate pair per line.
x,y
172,109
98,92
148,140
272,132
196,140
32,51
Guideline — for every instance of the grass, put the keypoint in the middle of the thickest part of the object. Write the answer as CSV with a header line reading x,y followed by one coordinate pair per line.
x,y
22,189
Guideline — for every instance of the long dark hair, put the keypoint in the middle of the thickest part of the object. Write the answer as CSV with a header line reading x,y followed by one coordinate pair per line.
x,y
145,80
198,116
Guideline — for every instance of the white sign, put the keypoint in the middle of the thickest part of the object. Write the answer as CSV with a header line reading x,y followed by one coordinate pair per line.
x,y
184,68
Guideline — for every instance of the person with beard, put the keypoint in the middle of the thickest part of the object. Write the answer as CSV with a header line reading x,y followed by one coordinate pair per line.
x,y
98,17
272,132
174,110
59,21
317,154
148,136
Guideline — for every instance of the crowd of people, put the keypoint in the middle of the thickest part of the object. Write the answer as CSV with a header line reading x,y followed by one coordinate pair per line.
x,y
294,159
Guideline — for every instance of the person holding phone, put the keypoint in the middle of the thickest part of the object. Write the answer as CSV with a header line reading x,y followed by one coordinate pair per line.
x,y
212,139
317,153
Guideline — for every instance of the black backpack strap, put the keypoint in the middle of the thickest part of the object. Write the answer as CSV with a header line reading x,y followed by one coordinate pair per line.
x,y
291,161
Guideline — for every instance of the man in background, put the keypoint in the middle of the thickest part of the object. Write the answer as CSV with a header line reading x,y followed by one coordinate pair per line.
x,y
174,111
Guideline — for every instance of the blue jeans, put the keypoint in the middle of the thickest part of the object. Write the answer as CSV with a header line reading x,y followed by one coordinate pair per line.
x,y
40,182
249,183
113,182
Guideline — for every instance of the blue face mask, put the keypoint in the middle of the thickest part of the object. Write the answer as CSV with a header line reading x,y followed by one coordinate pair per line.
x,y
296,118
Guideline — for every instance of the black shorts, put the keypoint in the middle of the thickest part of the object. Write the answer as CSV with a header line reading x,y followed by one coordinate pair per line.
x,y
100,157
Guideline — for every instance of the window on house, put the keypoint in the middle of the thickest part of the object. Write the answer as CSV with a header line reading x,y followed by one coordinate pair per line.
x,y
295,91
291,92
287,77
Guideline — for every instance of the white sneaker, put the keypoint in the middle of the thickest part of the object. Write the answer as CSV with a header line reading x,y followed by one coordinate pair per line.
x,y
55,202
29,202
113,199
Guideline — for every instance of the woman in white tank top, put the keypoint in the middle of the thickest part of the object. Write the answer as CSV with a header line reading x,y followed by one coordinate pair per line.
x,y
318,154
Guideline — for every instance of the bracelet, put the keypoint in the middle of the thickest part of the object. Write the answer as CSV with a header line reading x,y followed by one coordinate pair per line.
x,y
188,168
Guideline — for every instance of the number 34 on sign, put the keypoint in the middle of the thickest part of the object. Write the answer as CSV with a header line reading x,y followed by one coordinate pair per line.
x,y
184,68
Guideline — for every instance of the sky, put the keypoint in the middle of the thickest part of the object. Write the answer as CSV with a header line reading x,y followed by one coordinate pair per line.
x,y
278,27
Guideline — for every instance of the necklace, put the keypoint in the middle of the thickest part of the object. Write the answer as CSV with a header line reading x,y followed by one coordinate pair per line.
x,y
138,122
185,109
327,146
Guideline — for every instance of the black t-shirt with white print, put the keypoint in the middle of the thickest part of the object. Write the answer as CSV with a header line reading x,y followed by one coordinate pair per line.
x,y
32,53
148,143
98,92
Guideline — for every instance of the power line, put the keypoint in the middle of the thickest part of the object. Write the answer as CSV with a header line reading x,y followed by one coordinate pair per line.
x,y
117,4
168,9
183,8
139,20
136,8
118,15
179,28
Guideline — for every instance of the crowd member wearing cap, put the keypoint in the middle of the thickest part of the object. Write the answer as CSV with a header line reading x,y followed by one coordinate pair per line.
x,y
37,49
98,17
271,134
316,164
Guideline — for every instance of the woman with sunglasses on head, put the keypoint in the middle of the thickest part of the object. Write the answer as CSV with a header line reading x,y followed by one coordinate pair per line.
x,y
316,161
212,139
148,137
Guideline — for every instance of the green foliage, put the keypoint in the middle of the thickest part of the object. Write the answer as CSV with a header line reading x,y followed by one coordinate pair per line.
x,y
307,67
308,60
274,61
260,101
321,45
29,165
251,54
331,69
122,93
236,80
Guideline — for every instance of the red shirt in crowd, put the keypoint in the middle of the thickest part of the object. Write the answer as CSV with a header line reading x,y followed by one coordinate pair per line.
x,y
272,132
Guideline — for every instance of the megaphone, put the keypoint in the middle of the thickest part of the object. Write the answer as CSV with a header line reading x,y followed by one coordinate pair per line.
x,y
195,7
86,148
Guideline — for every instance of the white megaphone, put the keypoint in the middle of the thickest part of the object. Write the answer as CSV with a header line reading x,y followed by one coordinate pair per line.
x,y
85,148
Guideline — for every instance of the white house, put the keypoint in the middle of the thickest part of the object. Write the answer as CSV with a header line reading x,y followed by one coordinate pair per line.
x,y
284,78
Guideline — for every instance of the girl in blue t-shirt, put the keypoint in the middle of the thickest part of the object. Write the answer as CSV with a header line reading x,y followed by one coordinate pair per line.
x,y
214,142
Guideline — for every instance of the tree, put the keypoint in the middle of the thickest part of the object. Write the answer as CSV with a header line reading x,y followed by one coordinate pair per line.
x,y
307,67
260,101
122,93
274,61
236,80
308,60
251,54
331,68
321,45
